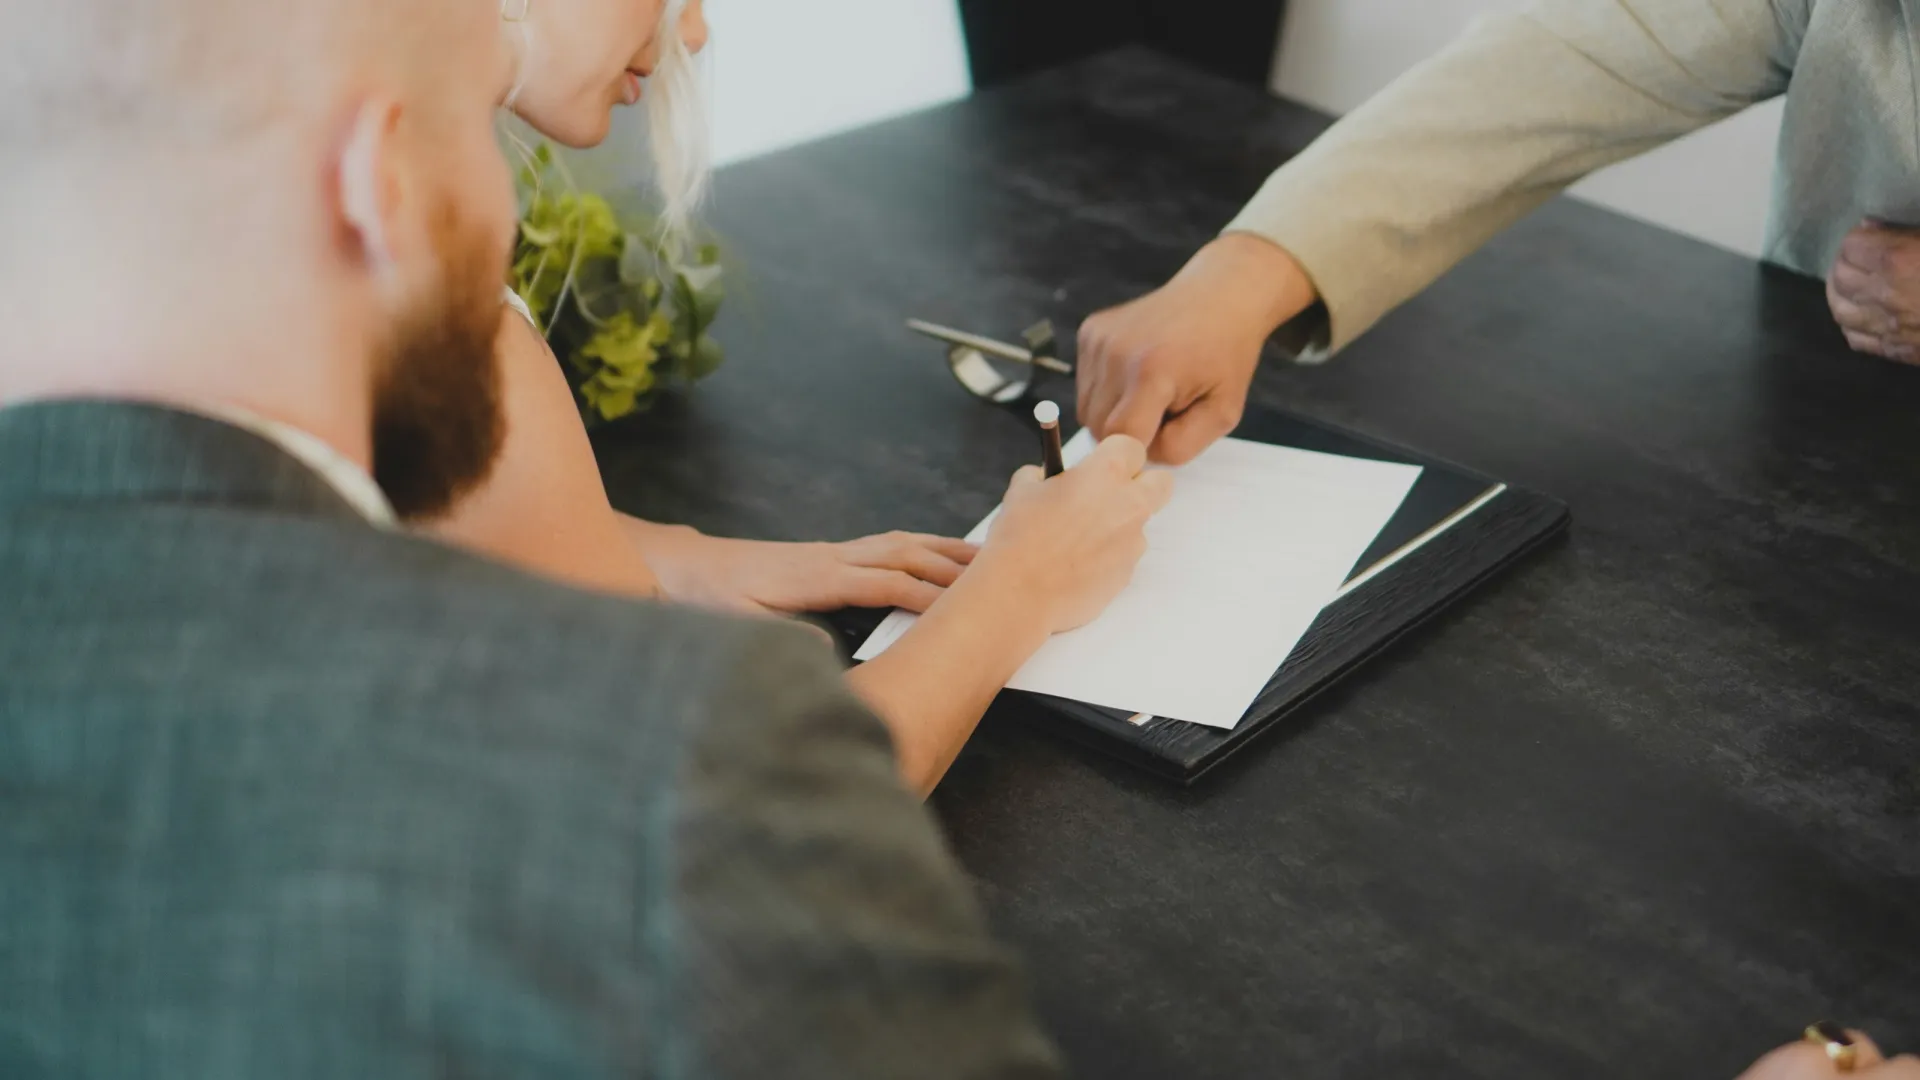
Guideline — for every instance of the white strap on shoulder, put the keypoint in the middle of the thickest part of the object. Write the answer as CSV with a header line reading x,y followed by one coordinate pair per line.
x,y
519,305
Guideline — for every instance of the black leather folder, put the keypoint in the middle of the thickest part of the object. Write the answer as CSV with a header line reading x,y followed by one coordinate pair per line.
x,y
1455,532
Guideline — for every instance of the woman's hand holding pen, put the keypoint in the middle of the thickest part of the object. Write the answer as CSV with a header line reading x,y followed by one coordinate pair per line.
x,y
1057,554
1071,543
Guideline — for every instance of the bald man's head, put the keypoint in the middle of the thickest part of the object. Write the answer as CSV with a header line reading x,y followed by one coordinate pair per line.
x,y
298,205
121,72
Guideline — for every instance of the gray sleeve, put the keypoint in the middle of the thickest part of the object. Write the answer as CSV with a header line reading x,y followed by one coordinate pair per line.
x,y
818,925
1520,107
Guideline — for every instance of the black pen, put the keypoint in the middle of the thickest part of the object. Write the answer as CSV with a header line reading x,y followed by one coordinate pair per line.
x,y
1048,414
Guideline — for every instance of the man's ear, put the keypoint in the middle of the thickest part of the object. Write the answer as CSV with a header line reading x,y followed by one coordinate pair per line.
x,y
369,183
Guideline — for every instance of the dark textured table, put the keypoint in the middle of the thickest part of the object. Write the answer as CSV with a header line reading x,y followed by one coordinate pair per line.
x,y
1644,807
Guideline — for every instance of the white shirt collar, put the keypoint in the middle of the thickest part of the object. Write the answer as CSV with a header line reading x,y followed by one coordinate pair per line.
x,y
349,480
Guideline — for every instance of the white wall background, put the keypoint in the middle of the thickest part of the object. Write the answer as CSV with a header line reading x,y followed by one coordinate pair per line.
x,y
790,70
785,71
1712,185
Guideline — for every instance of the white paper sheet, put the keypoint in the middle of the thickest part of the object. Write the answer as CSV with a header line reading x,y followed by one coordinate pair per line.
x,y
1256,540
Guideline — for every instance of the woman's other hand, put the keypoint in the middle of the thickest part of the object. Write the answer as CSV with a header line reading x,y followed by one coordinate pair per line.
x,y
904,570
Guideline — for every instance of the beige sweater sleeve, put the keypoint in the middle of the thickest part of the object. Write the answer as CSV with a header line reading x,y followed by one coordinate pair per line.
x,y
1523,105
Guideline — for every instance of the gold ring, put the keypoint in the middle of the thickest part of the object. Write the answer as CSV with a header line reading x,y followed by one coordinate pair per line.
x,y
1834,1039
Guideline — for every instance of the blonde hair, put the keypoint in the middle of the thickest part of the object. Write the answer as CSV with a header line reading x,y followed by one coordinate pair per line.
x,y
679,130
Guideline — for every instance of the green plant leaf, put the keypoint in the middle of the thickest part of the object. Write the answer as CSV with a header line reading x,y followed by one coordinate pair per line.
x,y
638,378
537,235
698,293
599,232
535,171
626,353
612,404
706,358
602,296
640,265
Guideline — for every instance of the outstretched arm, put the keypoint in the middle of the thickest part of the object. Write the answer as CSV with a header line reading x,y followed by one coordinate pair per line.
x,y
1507,117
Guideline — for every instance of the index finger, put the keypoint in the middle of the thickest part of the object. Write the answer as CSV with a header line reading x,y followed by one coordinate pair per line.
x,y
1089,372
1188,435
1142,408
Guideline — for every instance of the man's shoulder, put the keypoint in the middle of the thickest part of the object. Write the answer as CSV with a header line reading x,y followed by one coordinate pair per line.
x,y
443,606
340,612
285,636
